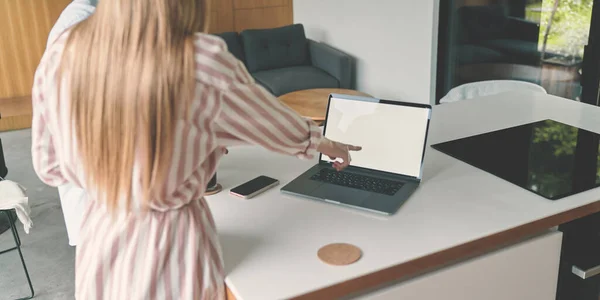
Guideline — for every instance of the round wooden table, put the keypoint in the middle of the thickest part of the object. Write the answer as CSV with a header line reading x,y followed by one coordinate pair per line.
x,y
313,103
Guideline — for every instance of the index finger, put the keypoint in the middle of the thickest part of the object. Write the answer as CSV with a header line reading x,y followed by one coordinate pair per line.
x,y
354,148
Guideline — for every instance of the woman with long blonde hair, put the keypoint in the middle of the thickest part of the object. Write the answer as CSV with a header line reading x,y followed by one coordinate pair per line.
x,y
136,105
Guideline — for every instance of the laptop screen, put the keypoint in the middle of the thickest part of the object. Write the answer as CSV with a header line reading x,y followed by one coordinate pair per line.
x,y
392,134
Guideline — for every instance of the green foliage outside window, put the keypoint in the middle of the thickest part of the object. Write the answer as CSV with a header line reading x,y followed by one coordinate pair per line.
x,y
569,28
553,143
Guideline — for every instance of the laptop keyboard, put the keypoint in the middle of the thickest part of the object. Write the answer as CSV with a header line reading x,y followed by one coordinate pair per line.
x,y
361,182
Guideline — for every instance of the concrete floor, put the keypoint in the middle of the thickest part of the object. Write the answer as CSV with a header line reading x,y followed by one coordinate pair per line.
x,y
49,258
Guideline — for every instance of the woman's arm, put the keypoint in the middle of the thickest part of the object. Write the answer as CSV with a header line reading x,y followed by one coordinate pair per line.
x,y
250,114
75,12
244,112
45,157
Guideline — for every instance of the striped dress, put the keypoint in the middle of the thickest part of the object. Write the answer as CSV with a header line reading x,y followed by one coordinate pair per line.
x,y
171,251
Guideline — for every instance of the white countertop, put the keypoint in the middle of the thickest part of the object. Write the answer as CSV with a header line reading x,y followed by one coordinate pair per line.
x,y
270,242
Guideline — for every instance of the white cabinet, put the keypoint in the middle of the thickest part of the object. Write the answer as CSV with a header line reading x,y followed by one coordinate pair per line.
x,y
525,271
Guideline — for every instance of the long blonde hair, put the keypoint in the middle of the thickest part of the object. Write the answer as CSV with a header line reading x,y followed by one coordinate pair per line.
x,y
130,71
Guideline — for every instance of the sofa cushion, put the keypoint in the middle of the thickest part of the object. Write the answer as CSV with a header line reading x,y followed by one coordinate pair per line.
x,y
286,80
234,44
276,48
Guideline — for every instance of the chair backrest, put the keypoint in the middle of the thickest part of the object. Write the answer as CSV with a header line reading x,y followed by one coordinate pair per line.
x,y
3,169
489,87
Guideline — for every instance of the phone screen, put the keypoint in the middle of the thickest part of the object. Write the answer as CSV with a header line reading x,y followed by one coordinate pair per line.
x,y
253,186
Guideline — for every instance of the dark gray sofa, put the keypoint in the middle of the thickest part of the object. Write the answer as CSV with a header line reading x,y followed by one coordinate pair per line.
x,y
283,60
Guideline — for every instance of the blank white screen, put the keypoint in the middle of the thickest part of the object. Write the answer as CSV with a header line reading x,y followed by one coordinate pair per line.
x,y
392,136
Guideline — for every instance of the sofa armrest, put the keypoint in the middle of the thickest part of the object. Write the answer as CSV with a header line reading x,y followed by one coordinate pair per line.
x,y
522,29
332,61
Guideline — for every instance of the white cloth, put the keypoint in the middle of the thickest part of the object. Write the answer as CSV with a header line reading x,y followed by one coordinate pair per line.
x,y
12,196
488,87
72,198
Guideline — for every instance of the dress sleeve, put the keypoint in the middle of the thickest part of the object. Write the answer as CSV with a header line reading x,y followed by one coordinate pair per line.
x,y
250,114
45,158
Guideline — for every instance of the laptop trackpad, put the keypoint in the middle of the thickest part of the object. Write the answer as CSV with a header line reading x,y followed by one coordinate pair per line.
x,y
341,194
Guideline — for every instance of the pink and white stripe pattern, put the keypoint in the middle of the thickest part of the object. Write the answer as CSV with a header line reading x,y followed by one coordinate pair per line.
x,y
172,251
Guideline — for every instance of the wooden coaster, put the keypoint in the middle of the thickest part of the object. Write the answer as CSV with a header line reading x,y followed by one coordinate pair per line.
x,y
339,254
217,189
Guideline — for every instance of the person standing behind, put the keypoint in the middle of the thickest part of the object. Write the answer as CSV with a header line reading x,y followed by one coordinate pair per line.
x,y
73,199
136,105
75,12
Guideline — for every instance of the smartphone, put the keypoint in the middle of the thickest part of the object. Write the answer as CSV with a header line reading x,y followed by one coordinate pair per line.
x,y
254,187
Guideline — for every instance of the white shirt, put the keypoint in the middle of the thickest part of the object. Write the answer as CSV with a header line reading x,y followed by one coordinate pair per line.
x,y
73,199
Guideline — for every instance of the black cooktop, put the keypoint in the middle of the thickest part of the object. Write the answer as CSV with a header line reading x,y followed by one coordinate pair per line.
x,y
549,158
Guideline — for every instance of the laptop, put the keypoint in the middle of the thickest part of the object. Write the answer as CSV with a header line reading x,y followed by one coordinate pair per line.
x,y
388,169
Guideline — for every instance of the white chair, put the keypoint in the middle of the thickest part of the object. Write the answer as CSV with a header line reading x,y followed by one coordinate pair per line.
x,y
489,87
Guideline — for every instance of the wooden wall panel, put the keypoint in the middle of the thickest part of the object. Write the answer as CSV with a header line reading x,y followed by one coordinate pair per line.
x,y
25,25
239,15
221,16
241,4
16,113
259,18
